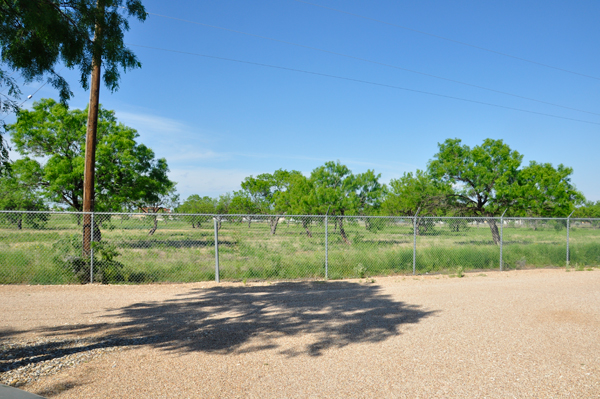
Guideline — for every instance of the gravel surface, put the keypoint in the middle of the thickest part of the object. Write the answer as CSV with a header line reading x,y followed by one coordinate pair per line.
x,y
523,334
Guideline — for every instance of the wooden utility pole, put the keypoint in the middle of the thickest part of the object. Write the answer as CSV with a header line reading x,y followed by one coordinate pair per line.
x,y
90,138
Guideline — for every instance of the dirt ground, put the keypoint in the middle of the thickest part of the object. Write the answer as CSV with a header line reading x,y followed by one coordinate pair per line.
x,y
522,334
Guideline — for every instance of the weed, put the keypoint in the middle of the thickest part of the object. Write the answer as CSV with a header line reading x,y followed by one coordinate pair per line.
x,y
460,272
360,270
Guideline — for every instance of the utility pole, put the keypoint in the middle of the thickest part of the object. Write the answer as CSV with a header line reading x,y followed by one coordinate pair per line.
x,y
90,138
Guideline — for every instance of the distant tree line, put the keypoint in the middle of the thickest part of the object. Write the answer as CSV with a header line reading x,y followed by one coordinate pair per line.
x,y
483,181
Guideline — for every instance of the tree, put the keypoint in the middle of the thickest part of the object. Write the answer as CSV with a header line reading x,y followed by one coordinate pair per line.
x,y
159,203
263,190
17,193
588,210
344,193
417,193
36,35
298,199
543,190
196,204
128,175
486,181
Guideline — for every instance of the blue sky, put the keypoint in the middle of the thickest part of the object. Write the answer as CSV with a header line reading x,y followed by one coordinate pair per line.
x,y
218,121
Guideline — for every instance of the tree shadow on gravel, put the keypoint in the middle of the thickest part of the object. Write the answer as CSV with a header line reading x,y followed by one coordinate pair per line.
x,y
248,319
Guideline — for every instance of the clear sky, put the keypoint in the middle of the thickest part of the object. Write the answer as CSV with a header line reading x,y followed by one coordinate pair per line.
x,y
217,121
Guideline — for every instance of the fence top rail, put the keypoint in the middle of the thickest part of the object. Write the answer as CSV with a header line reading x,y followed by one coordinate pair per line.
x,y
265,216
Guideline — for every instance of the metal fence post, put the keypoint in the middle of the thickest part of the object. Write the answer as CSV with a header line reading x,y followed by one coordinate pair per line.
x,y
502,238
92,249
327,244
217,272
415,242
568,228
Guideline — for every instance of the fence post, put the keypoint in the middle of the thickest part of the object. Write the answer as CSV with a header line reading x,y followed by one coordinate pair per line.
x,y
502,237
568,228
327,244
92,250
415,242
217,272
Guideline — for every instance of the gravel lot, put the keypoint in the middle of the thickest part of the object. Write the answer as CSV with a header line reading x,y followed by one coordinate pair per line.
x,y
530,333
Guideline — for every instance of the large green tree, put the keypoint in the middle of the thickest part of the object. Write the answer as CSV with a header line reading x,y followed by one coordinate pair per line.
x,y
488,179
51,138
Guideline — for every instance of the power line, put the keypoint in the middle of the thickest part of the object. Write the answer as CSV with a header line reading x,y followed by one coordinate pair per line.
x,y
377,63
364,81
450,40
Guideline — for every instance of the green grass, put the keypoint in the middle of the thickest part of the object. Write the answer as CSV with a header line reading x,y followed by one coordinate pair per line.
x,y
179,253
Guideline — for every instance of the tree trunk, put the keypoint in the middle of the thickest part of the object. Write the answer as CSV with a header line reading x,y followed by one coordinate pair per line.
x,y
494,229
20,223
305,225
153,229
343,232
273,222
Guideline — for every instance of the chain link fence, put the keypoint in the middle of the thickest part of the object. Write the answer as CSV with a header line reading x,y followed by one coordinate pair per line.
x,y
58,248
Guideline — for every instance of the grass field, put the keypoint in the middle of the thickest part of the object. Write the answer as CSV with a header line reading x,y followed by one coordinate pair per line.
x,y
46,249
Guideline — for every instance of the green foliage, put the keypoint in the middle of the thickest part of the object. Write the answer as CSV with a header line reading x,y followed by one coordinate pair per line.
x,y
18,190
68,254
487,180
483,176
413,192
542,190
361,270
458,225
127,175
588,210
36,35
460,272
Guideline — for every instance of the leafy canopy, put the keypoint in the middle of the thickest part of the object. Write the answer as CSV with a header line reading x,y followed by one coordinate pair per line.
x,y
36,35
127,174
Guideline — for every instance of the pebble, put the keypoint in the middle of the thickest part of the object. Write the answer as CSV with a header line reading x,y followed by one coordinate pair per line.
x,y
26,360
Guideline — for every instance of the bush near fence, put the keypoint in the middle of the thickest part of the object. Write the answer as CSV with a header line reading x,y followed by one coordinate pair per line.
x,y
46,247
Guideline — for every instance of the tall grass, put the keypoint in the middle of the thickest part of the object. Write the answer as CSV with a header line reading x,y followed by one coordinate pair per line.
x,y
176,252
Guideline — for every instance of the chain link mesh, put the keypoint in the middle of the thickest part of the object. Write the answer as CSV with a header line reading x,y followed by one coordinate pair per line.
x,y
49,247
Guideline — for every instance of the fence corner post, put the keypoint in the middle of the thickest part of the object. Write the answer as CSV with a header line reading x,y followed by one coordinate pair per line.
x,y
568,228
502,238
217,272
415,241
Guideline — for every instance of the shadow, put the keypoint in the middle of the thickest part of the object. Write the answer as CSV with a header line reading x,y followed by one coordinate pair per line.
x,y
475,242
148,244
58,388
385,242
249,319
7,333
17,355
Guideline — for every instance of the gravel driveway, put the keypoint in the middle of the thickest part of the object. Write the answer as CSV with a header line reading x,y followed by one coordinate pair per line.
x,y
530,333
